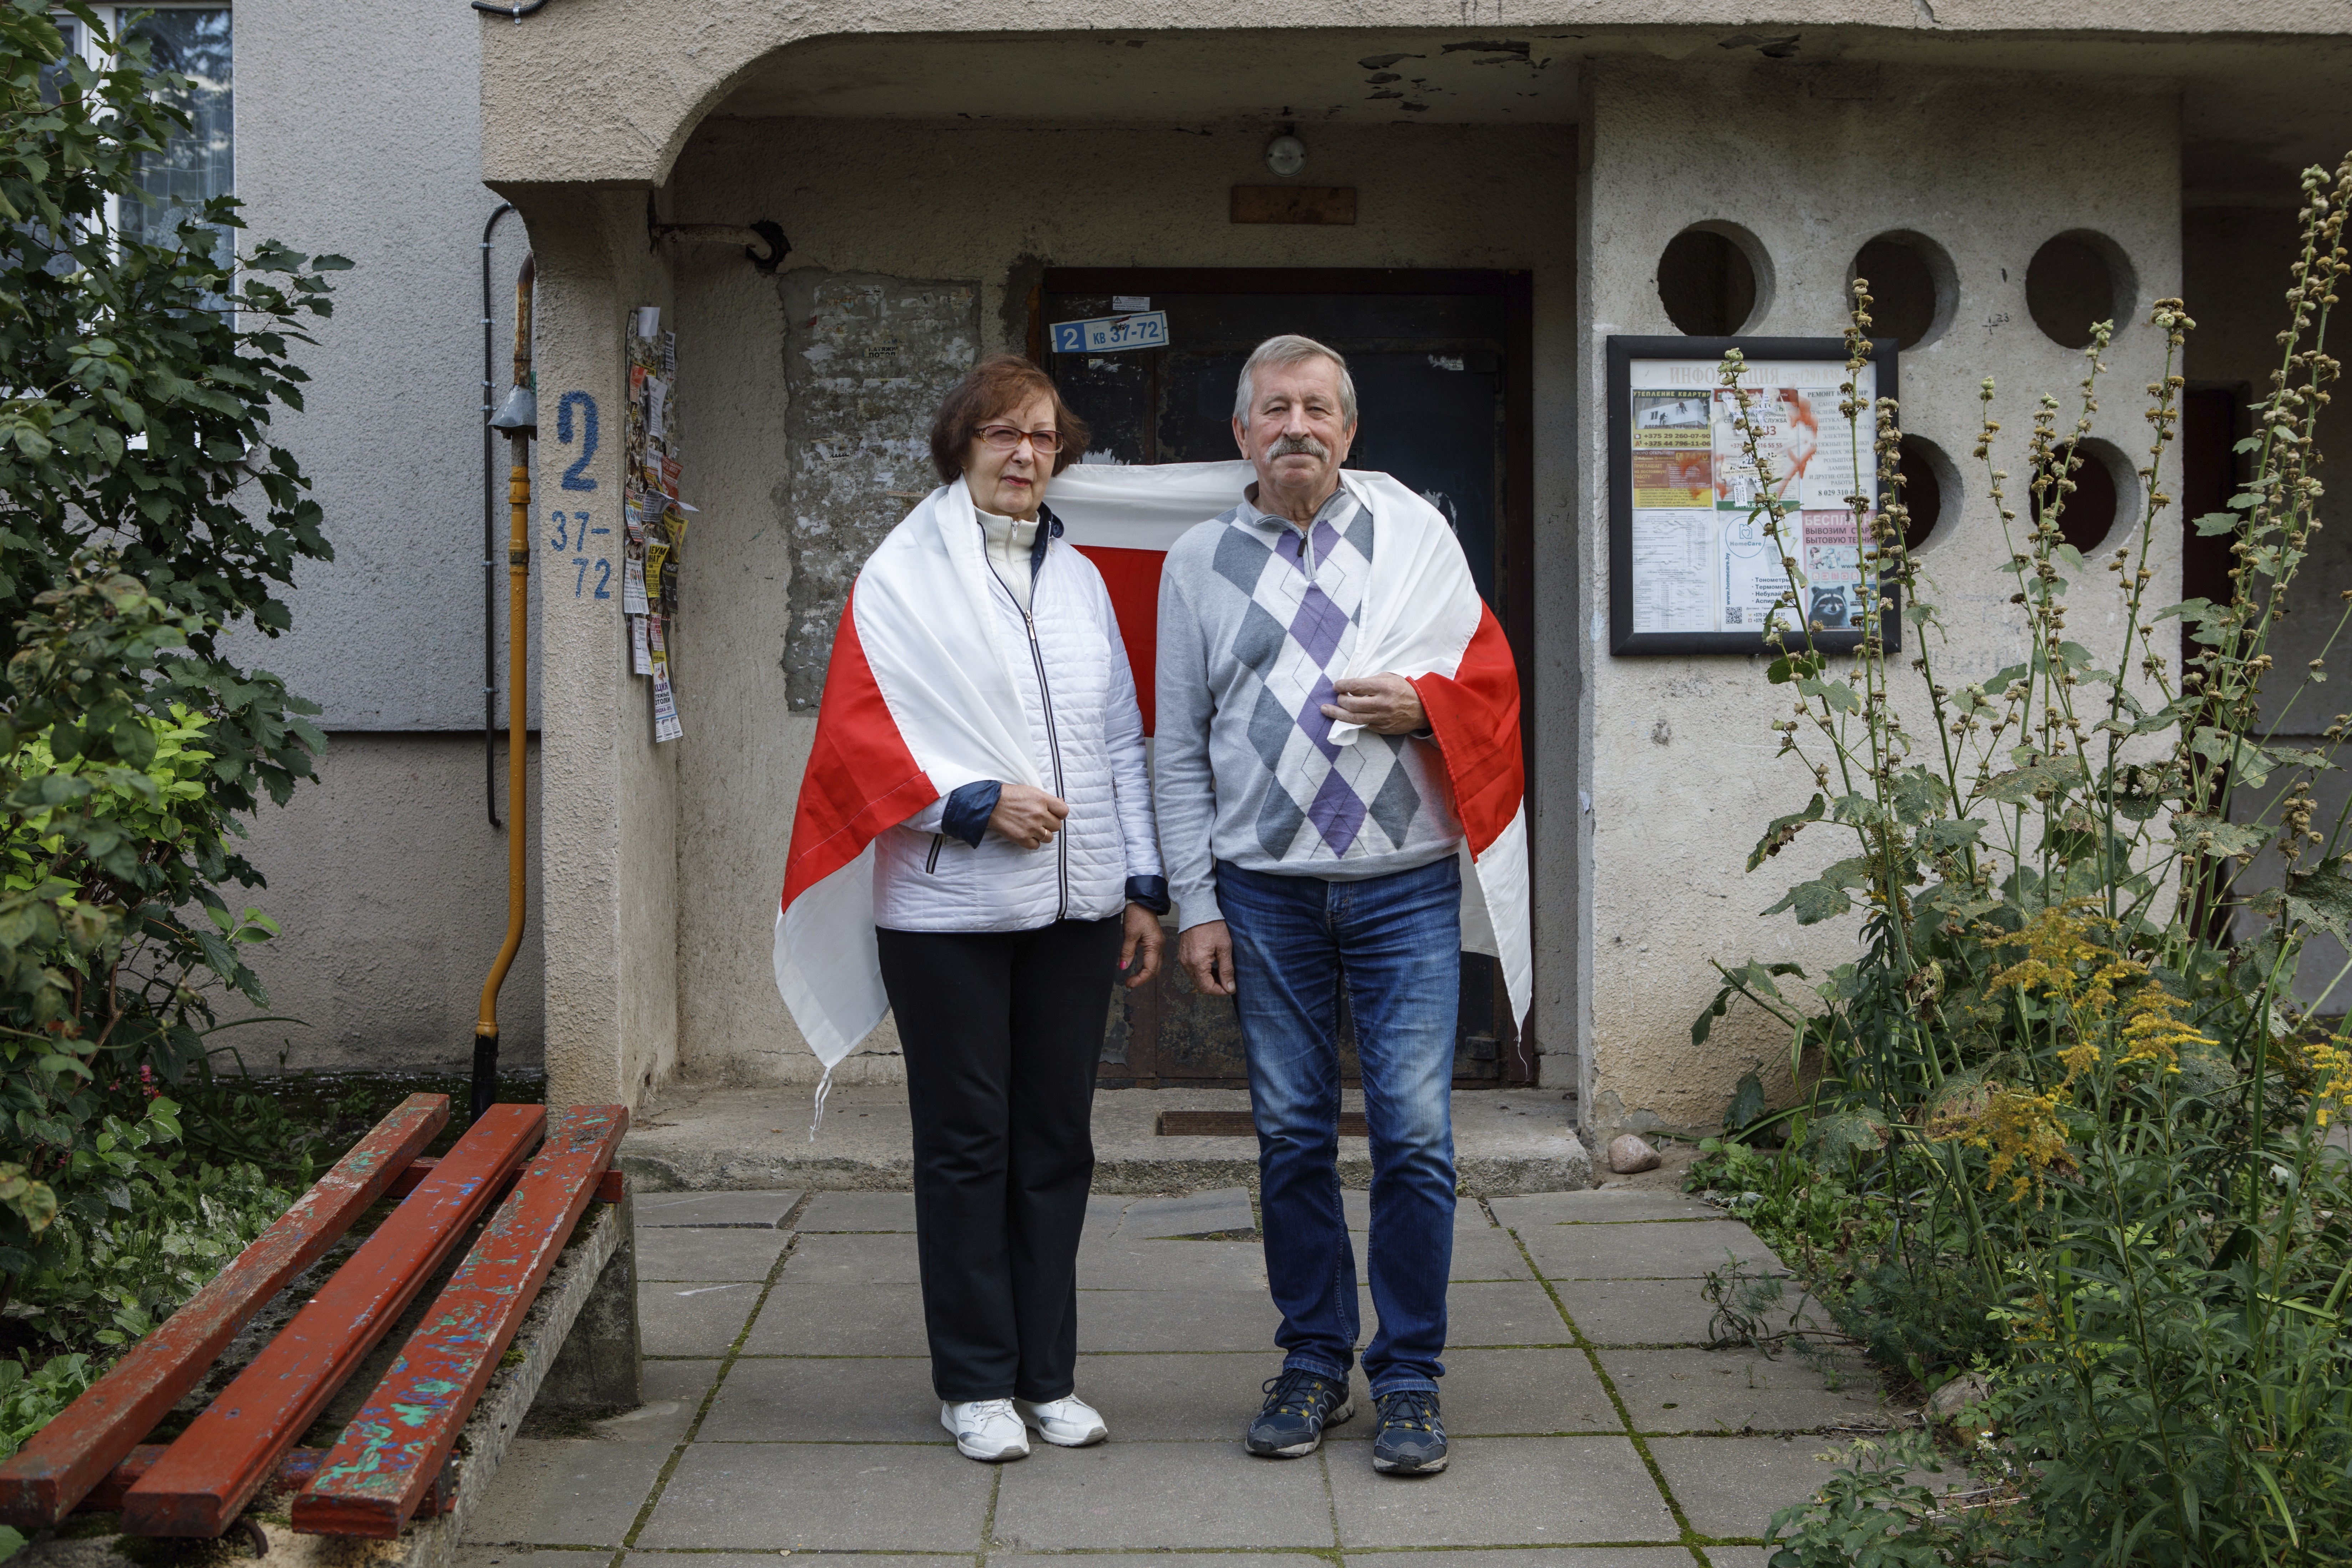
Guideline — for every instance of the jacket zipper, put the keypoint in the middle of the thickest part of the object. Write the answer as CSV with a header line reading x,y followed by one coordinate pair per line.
x,y
931,864
1053,746
1052,739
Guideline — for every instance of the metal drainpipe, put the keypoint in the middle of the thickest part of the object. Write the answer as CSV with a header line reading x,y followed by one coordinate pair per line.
x,y
490,541
519,417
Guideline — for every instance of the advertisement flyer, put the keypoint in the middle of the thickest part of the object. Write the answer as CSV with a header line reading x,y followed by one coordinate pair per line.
x,y
1701,559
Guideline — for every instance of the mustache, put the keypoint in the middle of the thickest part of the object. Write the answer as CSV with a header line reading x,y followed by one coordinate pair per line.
x,y
1289,446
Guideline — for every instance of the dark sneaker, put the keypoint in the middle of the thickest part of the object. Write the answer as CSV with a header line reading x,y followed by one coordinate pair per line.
x,y
1298,1405
1412,1440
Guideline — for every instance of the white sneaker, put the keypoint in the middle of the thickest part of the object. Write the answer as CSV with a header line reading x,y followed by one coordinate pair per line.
x,y
986,1430
1066,1422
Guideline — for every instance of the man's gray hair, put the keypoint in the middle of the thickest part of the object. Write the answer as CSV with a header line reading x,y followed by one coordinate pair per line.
x,y
1282,352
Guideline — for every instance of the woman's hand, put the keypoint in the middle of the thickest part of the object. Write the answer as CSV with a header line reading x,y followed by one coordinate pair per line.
x,y
1138,953
1028,815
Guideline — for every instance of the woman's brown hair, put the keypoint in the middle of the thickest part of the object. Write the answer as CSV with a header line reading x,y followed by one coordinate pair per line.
x,y
996,384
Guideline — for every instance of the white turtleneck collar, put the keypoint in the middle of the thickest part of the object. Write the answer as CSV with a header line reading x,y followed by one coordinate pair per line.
x,y
1007,540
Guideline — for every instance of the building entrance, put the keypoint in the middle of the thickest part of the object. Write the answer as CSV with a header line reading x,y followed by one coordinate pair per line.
x,y
1440,363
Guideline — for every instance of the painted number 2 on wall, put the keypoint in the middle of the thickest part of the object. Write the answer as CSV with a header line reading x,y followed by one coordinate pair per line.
x,y
573,530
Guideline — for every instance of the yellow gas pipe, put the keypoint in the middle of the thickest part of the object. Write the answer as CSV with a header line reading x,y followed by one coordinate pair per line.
x,y
519,417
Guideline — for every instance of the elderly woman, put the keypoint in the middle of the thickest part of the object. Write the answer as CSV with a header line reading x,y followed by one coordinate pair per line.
x,y
980,731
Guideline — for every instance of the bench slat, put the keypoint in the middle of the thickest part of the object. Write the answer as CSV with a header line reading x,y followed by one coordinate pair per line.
x,y
609,1186
54,1471
295,1471
380,1470
200,1486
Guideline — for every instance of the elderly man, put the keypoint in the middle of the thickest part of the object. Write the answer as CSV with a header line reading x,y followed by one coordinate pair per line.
x,y
1328,684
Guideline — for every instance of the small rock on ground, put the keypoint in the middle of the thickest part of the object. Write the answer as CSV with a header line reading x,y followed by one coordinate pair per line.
x,y
1629,1154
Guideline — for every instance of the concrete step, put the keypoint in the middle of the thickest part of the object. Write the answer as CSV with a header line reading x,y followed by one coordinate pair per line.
x,y
709,1137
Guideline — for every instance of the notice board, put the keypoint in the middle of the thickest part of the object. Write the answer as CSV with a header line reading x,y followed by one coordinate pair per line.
x,y
1691,569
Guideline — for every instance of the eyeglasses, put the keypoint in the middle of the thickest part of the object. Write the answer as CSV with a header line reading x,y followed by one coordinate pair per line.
x,y
1004,437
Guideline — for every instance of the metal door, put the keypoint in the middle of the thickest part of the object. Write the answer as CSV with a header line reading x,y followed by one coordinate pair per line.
x,y
1440,362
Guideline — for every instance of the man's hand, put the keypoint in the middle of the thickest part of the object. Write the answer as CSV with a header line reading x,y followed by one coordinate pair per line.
x,y
1028,815
1206,952
1384,704
1138,953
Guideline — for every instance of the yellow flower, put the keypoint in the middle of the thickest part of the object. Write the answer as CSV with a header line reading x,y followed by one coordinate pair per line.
x,y
2151,1033
2023,1132
2331,1070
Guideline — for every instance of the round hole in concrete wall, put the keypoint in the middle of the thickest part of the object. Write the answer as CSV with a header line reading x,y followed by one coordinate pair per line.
x,y
2105,487
1930,485
2076,279
1713,280
1914,287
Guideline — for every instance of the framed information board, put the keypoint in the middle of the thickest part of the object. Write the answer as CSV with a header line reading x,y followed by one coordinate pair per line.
x,y
1690,568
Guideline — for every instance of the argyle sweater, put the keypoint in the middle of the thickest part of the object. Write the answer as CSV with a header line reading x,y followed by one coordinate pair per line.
x,y
1255,621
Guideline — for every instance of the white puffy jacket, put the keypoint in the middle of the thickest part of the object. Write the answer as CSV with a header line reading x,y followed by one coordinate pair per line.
x,y
1086,734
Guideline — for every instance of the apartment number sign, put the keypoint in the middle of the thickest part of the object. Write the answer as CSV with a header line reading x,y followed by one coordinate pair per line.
x,y
1693,567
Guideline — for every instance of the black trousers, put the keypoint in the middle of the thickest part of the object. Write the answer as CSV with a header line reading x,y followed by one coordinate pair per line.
x,y
1003,1032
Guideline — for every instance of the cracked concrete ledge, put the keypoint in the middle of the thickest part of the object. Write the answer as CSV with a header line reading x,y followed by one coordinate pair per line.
x,y
710,1138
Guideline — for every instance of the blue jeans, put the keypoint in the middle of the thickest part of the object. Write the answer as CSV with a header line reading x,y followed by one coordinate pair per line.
x,y
1394,944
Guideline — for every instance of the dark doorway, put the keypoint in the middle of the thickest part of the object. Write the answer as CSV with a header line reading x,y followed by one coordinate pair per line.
x,y
1444,380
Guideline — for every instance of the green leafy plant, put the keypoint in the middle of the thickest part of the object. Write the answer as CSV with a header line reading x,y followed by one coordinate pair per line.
x,y
2068,1066
145,515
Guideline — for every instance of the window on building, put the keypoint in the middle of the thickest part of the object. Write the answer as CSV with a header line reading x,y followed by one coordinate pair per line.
x,y
199,162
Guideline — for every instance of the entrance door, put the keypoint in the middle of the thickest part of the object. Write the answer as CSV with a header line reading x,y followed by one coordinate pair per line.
x,y
1440,362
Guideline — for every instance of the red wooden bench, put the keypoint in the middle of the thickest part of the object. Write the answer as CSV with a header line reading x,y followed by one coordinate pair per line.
x,y
393,1462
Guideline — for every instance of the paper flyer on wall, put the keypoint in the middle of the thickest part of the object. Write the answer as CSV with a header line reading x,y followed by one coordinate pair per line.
x,y
666,724
1701,559
641,652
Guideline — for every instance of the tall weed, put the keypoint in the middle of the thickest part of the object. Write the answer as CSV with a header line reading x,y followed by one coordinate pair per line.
x,y
2068,1069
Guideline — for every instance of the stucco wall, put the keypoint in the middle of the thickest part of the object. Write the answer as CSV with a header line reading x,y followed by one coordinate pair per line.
x,y
927,202
1681,765
390,886
360,132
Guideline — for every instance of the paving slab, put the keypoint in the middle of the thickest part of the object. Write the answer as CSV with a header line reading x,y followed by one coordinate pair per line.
x,y
1488,1255
467,1555
1502,1491
1208,1318
859,1210
828,1496
1733,1486
1594,1207
1126,1496
1121,1265
1738,1556
1740,1391
1646,1251
681,1318
1188,1397
1637,1311
1506,1393
1508,1312
1537,1557
882,1260
1170,1559
699,1255
586,1491
757,1559
757,1210
838,1399
1194,1213
803,1319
